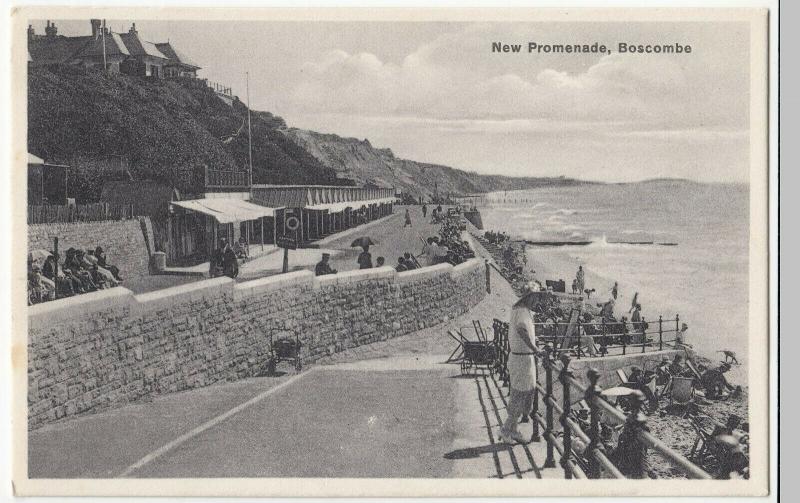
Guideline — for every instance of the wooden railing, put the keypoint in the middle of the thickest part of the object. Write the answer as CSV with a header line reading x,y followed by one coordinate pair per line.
x,y
219,178
50,213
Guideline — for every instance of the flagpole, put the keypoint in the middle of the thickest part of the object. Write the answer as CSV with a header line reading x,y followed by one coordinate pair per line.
x,y
249,139
105,64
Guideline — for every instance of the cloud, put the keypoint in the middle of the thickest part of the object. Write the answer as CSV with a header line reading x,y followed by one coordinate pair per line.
x,y
616,87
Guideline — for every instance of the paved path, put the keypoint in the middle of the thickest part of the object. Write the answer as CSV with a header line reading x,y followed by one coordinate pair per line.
x,y
387,409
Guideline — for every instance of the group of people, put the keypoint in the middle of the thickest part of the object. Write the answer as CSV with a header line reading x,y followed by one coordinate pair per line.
x,y
496,238
82,271
224,260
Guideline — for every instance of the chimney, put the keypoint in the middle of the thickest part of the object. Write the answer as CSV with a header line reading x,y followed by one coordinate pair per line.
x,y
31,33
133,29
95,27
50,30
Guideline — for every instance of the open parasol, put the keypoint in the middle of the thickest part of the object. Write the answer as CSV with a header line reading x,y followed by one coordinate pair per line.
x,y
362,242
618,391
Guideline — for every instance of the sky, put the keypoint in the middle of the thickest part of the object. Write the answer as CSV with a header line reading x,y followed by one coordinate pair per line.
x,y
435,92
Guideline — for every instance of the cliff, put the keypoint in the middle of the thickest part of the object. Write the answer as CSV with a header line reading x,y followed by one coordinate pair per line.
x,y
360,161
106,126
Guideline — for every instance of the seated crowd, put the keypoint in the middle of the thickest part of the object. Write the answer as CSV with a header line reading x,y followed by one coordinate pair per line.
x,y
447,247
80,272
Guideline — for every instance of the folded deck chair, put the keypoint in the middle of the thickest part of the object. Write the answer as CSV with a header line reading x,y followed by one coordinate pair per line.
x,y
623,377
692,368
682,390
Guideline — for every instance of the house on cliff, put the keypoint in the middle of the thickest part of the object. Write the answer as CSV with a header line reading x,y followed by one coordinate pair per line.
x,y
126,53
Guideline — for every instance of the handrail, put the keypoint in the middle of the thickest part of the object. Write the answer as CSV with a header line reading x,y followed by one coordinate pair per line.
x,y
637,439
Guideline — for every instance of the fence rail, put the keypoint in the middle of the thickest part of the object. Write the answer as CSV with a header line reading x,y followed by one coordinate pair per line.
x,y
612,337
49,214
592,460
219,178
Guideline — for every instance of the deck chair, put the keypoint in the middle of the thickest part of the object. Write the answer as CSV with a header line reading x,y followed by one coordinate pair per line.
x,y
623,377
682,390
692,368
572,336
701,442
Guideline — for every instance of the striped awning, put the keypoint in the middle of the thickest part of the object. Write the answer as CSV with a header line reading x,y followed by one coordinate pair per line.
x,y
341,206
227,211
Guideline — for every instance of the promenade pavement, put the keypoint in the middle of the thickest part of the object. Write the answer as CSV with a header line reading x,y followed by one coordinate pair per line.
x,y
388,409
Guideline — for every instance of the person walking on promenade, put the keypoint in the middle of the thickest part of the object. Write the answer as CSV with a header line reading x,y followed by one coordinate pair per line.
x,y
579,277
230,264
408,219
365,259
521,365
424,210
323,267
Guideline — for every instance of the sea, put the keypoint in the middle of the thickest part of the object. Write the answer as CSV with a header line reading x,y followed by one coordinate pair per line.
x,y
690,255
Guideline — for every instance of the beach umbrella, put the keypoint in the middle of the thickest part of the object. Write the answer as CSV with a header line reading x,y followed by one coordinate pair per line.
x,y
618,391
362,242
38,255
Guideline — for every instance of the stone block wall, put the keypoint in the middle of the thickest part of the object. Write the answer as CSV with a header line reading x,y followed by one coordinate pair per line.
x,y
103,349
122,240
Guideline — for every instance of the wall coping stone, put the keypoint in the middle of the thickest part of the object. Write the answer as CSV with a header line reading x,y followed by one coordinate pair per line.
x,y
152,301
424,273
83,305
272,283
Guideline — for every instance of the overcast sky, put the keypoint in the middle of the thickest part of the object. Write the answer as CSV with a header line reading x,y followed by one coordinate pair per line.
x,y
435,92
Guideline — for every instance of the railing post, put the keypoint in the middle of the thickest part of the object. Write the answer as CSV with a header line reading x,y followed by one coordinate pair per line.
x,y
566,405
550,460
595,444
630,456
677,329
535,437
604,349
660,330
488,277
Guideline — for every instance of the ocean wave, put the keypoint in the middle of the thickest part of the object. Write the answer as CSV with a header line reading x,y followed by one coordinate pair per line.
x,y
566,212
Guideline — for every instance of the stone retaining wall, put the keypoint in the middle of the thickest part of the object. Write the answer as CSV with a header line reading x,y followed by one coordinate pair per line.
x,y
122,240
103,349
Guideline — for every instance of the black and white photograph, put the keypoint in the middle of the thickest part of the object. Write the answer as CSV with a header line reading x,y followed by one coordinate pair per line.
x,y
311,251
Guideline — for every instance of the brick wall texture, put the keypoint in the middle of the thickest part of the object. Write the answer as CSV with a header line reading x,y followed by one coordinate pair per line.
x,y
107,348
122,240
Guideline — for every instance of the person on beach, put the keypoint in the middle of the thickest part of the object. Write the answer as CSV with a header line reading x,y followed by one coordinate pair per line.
x,y
365,259
521,365
323,267
575,286
714,383
408,219
634,302
615,290
636,318
424,210
579,277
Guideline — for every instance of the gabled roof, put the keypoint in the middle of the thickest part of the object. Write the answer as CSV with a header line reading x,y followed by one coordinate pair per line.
x,y
113,43
176,56
59,49
139,47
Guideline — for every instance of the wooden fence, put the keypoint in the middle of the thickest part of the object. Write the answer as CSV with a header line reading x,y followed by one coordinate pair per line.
x,y
49,213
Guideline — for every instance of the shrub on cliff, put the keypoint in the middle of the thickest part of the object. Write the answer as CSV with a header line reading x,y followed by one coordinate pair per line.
x,y
158,129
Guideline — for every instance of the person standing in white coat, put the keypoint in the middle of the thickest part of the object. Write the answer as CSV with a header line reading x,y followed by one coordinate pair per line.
x,y
521,366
